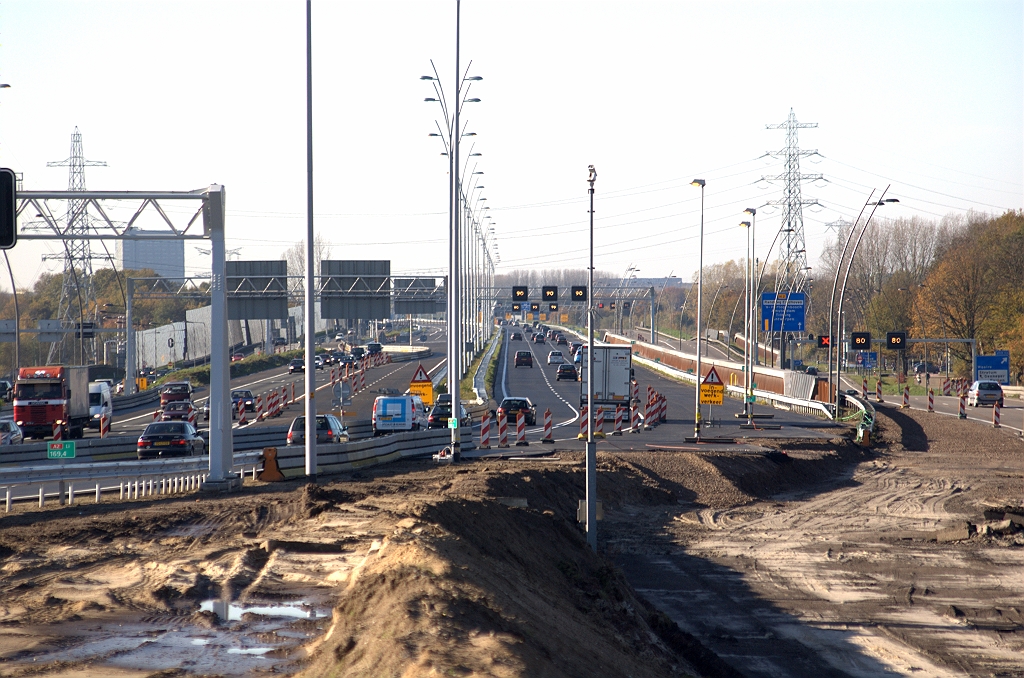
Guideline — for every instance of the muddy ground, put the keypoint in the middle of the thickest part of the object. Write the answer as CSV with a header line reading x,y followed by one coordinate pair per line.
x,y
823,559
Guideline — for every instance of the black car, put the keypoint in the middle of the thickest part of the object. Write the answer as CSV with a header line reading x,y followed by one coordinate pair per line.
x,y
280,341
511,407
243,397
566,371
524,358
296,366
170,439
516,336
440,413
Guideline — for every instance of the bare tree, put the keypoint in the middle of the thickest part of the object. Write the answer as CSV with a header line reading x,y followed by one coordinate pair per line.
x,y
296,258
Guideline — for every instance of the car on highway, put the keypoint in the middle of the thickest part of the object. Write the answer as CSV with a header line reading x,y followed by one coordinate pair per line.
x,y
347,359
516,336
423,337
237,357
318,362
538,338
339,337
984,392
393,414
296,365
175,390
170,439
511,407
524,359
566,371
329,429
243,397
358,352
441,412
560,340
574,347
177,411
10,433
280,341
555,358
374,347
206,410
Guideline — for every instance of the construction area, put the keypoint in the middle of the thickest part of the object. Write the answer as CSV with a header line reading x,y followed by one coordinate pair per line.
x,y
812,558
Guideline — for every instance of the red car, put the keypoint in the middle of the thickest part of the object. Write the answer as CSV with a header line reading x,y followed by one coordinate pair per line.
x,y
177,411
236,357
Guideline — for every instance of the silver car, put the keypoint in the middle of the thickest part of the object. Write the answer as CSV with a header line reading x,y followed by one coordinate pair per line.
x,y
328,430
983,392
10,433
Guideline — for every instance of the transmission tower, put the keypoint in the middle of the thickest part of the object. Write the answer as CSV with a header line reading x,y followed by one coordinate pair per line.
x,y
793,252
77,295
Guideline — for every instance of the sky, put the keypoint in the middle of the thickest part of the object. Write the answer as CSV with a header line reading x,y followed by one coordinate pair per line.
x,y
172,95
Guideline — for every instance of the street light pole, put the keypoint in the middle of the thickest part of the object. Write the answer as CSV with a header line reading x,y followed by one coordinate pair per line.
x,y
750,340
700,295
591,445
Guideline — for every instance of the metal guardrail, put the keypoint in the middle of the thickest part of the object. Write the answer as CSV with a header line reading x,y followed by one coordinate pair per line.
x,y
131,480
126,402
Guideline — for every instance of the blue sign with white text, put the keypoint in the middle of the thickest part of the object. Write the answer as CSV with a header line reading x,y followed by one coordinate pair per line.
x,y
783,311
993,367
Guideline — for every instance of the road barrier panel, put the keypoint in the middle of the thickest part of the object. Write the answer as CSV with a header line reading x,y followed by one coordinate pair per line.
x,y
906,398
995,415
618,421
931,400
878,391
521,429
547,428
864,388
485,431
599,423
584,424
963,407
635,419
502,429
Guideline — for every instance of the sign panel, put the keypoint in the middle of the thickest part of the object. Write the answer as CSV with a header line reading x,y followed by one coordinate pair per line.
x,y
61,449
896,341
257,289
860,341
520,293
712,377
711,394
564,318
543,317
783,311
579,293
355,289
993,368
422,386
549,293
868,359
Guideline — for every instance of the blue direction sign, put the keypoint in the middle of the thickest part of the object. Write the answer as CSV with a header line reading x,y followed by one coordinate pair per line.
x,y
994,367
783,311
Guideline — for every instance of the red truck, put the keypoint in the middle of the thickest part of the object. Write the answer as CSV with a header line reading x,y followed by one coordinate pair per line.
x,y
44,396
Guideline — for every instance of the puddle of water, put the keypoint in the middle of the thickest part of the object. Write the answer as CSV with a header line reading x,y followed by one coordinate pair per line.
x,y
250,650
232,612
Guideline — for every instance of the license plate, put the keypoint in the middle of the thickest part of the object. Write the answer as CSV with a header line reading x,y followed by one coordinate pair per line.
x,y
163,443
386,417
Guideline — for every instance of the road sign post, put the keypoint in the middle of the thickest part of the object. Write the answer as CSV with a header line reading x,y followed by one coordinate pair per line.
x,y
422,386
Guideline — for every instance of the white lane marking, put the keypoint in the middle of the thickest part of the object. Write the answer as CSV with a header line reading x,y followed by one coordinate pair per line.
x,y
504,366
576,413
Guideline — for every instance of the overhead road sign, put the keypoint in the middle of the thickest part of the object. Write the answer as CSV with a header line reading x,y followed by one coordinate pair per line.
x,y
355,289
553,308
549,293
783,311
896,341
579,293
535,307
860,341
993,368
824,341
520,293
257,290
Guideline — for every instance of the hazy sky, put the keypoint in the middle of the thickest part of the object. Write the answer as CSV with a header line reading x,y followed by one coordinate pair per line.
x,y
178,95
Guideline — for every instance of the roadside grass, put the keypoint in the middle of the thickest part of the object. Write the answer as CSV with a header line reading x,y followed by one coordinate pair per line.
x,y
200,375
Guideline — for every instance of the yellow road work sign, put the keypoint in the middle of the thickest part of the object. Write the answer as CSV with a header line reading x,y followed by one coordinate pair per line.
x,y
711,394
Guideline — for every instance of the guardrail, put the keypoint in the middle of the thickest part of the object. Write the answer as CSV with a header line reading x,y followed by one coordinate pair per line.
x,y
126,402
130,480
351,456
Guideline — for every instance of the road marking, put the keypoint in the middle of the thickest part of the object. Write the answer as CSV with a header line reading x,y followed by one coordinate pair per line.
x,y
576,412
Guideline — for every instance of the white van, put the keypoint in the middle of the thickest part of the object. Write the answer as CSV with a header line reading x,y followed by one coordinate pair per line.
x,y
398,413
100,403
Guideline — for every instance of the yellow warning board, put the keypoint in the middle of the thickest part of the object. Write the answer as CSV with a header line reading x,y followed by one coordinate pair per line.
x,y
529,316
564,318
424,391
543,317
711,394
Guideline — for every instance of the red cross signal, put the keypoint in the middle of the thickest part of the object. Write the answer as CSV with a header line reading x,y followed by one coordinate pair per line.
x,y
824,341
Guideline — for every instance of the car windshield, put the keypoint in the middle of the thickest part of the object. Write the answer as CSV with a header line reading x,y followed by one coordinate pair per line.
x,y
180,405
177,388
988,386
300,423
514,405
241,394
164,429
94,399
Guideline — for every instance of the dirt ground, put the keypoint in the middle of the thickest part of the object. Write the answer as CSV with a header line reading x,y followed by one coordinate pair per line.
x,y
820,558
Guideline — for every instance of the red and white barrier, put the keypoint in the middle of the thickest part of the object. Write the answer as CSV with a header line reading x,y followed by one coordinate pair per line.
x,y
242,421
284,397
362,380
963,406
664,409
355,385
259,407
946,387
584,424
485,431
502,429
618,421
995,415
878,391
649,412
548,438
931,400
58,430
192,416
599,423
634,391
104,426
906,398
521,429
293,393
156,414
864,388
635,419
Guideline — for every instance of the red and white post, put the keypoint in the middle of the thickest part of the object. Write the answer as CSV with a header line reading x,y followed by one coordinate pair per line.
x,y
521,429
635,422
864,388
502,429
963,406
618,421
584,424
995,415
548,438
931,400
878,391
485,431
906,398
105,426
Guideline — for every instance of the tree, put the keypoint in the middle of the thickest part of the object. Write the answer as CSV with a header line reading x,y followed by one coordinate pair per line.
x,y
296,258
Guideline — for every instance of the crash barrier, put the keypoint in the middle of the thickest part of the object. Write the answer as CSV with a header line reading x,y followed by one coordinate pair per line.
x,y
351,456
65,483
867,419
402,354
121,403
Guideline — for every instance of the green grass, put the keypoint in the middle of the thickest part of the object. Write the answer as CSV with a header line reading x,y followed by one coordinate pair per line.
x,y
200,375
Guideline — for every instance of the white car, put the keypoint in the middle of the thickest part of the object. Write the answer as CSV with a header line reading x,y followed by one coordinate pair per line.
x,y
555,358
